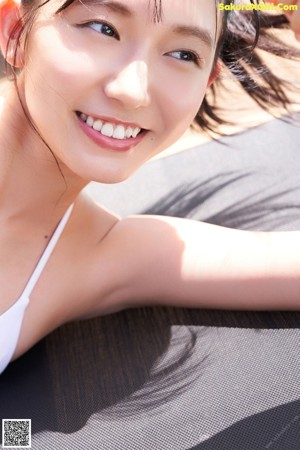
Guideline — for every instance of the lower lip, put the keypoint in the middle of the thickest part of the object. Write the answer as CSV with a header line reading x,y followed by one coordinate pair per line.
x,y
121,145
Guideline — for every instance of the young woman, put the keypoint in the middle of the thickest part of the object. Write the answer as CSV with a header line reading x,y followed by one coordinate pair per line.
x,y
99,88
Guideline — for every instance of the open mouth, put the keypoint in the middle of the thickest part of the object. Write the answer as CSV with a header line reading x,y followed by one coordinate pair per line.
x,y
110,129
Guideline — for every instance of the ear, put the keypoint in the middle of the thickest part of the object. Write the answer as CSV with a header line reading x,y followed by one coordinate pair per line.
x,y
10,27
215,72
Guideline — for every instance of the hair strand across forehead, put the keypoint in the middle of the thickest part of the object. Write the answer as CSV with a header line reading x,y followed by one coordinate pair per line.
x,y
157,10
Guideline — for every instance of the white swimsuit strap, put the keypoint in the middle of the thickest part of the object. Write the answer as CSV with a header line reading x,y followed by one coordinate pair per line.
x,y
46,254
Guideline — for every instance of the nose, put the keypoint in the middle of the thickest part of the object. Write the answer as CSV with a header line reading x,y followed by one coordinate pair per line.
x,y
130,85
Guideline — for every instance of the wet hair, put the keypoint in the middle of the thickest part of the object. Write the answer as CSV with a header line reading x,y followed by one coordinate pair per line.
x,y
242,36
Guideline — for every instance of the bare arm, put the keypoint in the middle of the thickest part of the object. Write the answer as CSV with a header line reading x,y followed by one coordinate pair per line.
x,y
185,263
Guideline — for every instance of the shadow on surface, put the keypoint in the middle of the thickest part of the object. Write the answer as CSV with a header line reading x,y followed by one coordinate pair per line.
x,y
90,366
252,211
87,367
275,429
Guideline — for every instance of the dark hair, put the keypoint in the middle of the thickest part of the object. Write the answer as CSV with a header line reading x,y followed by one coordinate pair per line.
x,y
243,34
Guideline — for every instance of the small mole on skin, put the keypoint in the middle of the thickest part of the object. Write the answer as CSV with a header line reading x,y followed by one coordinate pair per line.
x,y
46,237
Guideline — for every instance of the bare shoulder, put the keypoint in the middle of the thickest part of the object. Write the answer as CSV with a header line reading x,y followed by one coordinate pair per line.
x,y
126,252
165,260
148,231
119,263
145,251
148,239
142,236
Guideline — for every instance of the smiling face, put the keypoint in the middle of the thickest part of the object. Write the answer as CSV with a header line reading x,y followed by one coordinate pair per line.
x,y
108,87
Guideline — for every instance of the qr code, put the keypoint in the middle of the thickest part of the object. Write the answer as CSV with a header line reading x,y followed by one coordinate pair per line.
x,y
16,433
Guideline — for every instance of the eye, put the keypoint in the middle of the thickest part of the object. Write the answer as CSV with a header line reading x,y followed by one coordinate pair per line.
x,y
187,56
103,28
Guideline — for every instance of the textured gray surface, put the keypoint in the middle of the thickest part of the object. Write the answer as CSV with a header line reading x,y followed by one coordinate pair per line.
x,y
239,375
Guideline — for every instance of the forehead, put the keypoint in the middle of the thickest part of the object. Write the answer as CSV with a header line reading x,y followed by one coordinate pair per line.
x,y
199,18
158,10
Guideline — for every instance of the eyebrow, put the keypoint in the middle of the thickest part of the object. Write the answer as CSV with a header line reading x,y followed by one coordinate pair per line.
x,y
183,30
199,33
115,6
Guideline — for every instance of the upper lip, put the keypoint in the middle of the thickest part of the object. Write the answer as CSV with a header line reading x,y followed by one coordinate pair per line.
x,y
112,120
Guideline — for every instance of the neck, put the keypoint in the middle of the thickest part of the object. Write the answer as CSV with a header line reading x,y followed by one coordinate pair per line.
x,y
32,182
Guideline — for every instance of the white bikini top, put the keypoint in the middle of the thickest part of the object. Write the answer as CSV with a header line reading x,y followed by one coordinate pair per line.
x,y
11,320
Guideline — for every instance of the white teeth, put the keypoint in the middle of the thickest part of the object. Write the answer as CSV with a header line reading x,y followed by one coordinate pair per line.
x,y
90,121
107,130
128,132
119,132
98,124
110,130
135,132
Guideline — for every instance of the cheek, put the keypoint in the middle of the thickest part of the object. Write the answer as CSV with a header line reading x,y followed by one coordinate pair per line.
x,y
57,72
182,107
54,83
184,99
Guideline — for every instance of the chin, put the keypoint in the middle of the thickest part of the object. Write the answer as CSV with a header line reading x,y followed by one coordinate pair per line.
x,y
113,176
